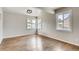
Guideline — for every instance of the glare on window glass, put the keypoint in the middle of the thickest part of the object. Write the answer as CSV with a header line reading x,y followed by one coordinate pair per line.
x,y
28,27
33,21
28,20
67,20
60,17
66,15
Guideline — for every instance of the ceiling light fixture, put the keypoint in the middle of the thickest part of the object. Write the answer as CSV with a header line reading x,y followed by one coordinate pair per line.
x,y
29,11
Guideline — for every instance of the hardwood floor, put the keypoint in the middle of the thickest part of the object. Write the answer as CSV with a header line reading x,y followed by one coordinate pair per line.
x,y
35,43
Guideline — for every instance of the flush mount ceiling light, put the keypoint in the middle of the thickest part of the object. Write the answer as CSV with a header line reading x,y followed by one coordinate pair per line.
x,y
29,11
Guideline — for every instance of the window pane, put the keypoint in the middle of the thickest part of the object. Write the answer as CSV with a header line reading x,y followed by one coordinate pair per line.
x,y
60,17
67,20
33,26
66,15
60,21
28,20
33,21
28,26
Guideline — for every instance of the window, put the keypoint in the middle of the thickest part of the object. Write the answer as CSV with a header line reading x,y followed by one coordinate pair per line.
x,y
28,23
63,20
60,21
33,23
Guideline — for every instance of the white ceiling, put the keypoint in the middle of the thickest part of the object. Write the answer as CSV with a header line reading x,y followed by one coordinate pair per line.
x,y
49,9
36,11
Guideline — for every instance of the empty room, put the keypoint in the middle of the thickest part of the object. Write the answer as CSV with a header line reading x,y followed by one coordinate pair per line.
x,y
39,29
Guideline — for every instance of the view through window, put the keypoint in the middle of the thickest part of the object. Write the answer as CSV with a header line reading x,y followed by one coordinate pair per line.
x,y
33,23
64,20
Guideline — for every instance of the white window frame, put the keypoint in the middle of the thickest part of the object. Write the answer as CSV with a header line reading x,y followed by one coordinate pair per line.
x,y
63,24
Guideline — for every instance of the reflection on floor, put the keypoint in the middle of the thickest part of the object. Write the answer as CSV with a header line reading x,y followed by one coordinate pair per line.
x,y
35,43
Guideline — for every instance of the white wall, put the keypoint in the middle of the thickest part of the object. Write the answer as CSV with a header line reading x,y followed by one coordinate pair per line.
x,y
1,24
15,25
49,28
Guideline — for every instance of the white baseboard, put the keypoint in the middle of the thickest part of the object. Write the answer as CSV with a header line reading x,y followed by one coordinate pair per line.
x,y
15,36
47,35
